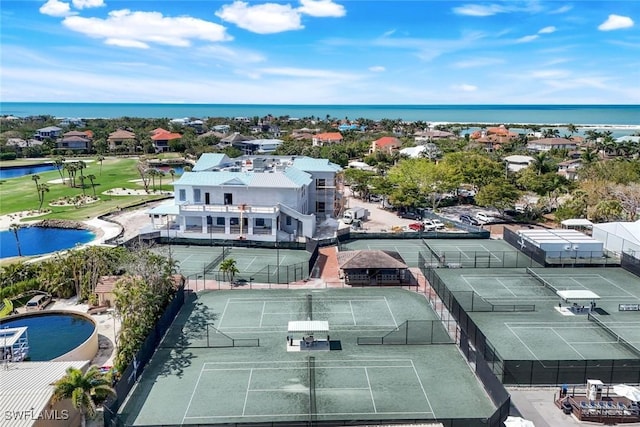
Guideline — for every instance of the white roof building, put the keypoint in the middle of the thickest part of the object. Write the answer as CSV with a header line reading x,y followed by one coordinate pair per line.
x,y
26,391
563,243
518,162
266,198
619,237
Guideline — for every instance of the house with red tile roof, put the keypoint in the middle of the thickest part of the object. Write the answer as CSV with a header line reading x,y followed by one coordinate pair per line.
x,y
161,140
327,138
75,140
386,144
119,137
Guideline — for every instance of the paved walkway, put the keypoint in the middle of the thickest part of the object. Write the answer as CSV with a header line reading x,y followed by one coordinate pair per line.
x,y
327,266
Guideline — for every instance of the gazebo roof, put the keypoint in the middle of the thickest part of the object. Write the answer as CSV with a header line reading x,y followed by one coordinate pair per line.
x,y
370,259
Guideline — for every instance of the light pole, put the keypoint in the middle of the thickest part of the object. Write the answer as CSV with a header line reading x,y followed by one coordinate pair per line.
x,y
278,260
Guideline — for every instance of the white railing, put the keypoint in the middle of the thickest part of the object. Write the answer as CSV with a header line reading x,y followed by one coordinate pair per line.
x,y
229,209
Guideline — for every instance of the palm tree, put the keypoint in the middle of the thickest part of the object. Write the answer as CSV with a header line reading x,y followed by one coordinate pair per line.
x,y
35,179
84,390
59,164
172,172
42,188
100,158
229,268
540,162
572,128
91,177
160,175
15,227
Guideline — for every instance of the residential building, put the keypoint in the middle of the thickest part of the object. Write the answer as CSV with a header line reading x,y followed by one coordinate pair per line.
x,y
161,139
266,198
548,144
326,138
428,150
386,144
517,162
430,135
71,121
257,146
50,132
119,138
569,168
75,141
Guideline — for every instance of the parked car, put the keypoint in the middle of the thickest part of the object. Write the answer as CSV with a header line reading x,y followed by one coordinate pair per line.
x,y
468,219
484,217
416,226
432,224
410,215
374,198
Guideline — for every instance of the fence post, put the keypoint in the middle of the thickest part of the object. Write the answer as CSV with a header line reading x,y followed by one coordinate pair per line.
x,y
207,335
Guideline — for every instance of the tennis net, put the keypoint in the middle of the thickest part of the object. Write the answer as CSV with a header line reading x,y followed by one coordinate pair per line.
x,y
216,261
433,253
311,364
544,282
617,337
309,306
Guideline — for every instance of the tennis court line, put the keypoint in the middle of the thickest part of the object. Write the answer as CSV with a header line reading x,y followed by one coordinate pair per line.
x,y
391,312
193,393
623,290
567,343
523,343
505,286
373,401
246,396
305,414
264,305
223,312
422,387
353,315
250,262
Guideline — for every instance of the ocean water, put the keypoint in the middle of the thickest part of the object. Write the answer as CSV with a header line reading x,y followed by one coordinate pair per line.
x,y
621,116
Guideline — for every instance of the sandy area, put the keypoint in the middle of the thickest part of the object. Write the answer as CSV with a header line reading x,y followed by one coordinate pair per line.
x,y
17,217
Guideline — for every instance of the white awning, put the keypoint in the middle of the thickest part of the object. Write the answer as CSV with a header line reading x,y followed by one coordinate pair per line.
x,y
577,222
308,326
578,294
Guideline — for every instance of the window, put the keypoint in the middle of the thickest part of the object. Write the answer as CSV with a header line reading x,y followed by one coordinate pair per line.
x,y
220,220
321,183
320,206
234,221
182,195
228,198
288,220
259,222
196,195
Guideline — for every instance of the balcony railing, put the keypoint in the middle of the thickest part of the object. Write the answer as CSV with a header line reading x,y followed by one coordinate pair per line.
x,y
229,209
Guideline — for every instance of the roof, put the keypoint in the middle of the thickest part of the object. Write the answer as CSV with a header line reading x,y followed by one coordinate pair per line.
x,y
370,259
553,141
28,386
50,129
106,284
315,165
577,222
165,210
237,137
626,230
578,294
210,160
11,335
168,136
122,134
387,140
566,236
308,326
158,130
516,158
287,179
329,136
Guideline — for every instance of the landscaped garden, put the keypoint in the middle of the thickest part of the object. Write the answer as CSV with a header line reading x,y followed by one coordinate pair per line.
x,y
74,199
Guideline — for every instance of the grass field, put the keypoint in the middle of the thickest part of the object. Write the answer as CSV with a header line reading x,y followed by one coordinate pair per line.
x,y
20,194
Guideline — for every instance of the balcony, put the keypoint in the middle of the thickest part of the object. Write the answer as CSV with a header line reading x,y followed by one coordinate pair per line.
x,y
269,210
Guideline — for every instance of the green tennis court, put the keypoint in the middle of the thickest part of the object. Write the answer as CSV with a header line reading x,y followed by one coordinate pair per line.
x,y
258,376
558,329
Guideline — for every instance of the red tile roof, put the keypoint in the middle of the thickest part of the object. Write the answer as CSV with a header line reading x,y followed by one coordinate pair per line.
x,y
387,140
165,136
330,136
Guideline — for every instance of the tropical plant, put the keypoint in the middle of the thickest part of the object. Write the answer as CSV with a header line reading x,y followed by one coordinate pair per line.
x,y
15,228
42,188
229,269
91,178
84,390
100,159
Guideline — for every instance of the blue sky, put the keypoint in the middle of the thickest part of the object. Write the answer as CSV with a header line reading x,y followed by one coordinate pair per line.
x,y
321,51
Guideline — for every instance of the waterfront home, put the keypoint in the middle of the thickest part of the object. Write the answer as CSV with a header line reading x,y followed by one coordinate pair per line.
x,y
119,137
326,138
161,139
75,141
49,132
265,198
548,144
386,144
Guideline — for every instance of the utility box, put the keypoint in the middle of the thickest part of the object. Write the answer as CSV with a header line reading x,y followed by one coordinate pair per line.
x,y
594,389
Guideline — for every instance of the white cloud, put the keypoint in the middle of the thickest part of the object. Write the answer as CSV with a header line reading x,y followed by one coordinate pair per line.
x,y
465,87
377,69
322,9
307,73
140,29
547,30
84,4
268,18
478,62
527,39
479,10
616,22
562,9
55,8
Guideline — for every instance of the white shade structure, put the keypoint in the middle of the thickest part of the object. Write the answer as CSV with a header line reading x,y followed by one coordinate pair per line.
x,y
518,422
630,392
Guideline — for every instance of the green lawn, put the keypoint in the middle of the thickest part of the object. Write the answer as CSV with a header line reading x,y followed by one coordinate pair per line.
x,y
19,194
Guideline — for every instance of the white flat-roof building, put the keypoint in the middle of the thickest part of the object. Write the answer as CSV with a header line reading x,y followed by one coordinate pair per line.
x,y
266,198
563,243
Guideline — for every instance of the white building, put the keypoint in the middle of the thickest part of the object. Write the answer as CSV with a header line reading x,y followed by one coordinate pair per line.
x,y
563,243
267,198
518,162
619,237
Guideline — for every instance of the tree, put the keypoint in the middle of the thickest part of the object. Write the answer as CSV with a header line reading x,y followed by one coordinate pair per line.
x,y
15,228
499,194
85,390
172,172
100,159
540,163
42,188
229,269
35,179
161,173
59,164
91,178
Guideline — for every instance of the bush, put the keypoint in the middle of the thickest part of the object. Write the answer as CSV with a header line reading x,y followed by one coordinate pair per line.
x,y
8,156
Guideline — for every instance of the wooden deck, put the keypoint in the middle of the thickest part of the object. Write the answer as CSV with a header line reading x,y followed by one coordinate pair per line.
x,y
609,410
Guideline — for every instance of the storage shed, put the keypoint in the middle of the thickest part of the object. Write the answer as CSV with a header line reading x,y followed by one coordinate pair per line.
x,y
564,243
